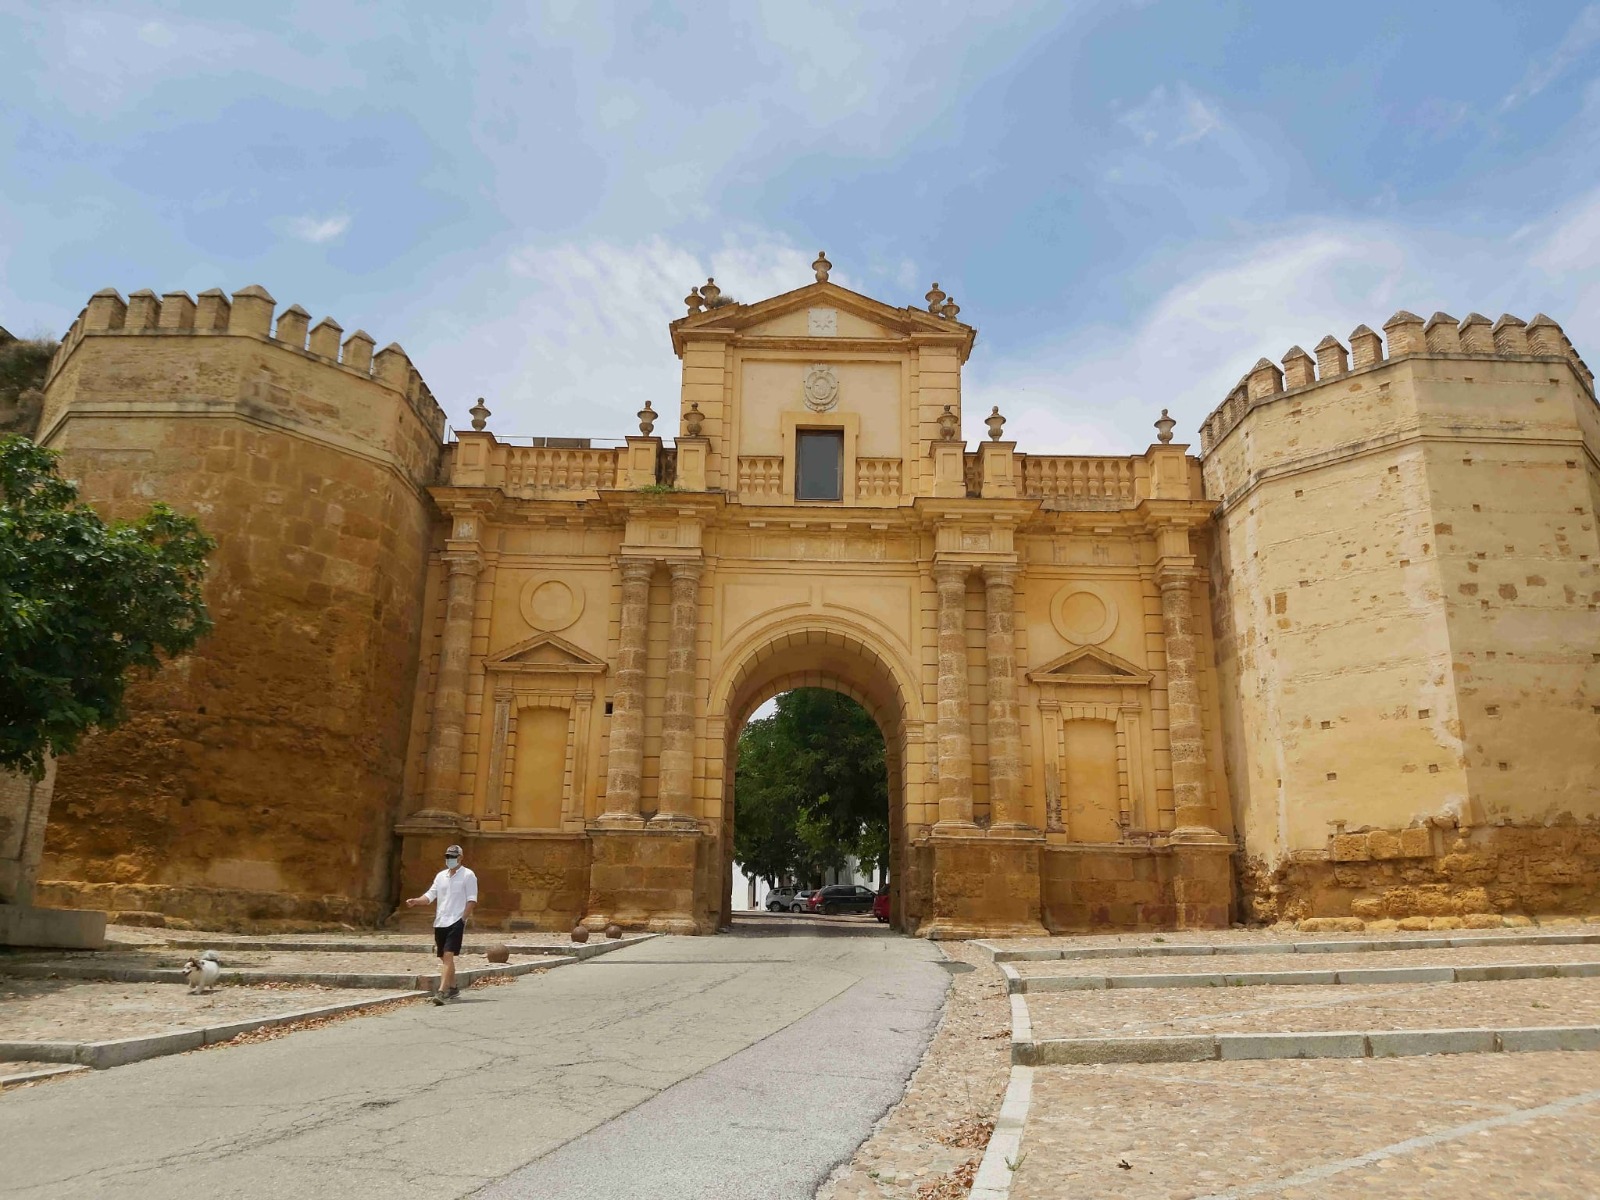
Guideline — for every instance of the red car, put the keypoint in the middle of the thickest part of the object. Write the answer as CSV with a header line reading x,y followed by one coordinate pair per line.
x,y
880,906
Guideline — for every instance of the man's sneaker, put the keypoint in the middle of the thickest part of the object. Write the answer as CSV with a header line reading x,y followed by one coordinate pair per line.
x,y
453,994
438,997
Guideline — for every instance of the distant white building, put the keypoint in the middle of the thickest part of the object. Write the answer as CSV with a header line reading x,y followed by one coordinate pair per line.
x,y
749,893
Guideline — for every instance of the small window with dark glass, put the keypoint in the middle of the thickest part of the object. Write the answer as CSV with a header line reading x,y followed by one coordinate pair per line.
x,y
819,465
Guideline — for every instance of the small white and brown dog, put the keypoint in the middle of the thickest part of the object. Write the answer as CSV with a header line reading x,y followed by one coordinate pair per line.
x,y
203,972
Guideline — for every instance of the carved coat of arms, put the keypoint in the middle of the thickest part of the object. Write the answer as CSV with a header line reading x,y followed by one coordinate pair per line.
x,y
821,388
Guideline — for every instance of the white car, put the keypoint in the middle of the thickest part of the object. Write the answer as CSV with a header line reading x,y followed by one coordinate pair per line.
x,y
781,899
802,901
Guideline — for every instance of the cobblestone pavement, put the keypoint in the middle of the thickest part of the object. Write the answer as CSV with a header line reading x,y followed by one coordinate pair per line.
x,y
1158,1011
59,1010
1210,963
1495,1127
943,1122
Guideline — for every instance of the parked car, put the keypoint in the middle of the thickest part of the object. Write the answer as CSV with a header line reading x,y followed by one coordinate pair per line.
x,y
781,899
801,901
880,906
842,897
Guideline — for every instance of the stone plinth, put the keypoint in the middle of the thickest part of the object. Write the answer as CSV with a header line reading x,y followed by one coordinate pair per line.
x,y
1134,887
645,879
526,880
984,887
62,928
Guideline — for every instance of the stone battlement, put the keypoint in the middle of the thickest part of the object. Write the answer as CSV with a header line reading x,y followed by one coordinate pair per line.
x,y
1441,335
249,313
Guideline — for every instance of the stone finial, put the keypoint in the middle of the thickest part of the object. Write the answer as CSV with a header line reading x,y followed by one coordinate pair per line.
x,y
105,310
647,419
996,423
1545,337
252,311
1442,334
822,266
177,311
292,325
358,351
1510,335
693,301
144,310
949,310
391,366
935,299
325,338
1366,348
1477,337
948,424
480,416
709,293
1298,369
1164,428
212,309
1264,379
1331,358
1404,331
693,420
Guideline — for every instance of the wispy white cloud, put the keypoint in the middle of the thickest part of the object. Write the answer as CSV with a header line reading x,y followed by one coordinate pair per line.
x,y
1176,116
319,230
1581,38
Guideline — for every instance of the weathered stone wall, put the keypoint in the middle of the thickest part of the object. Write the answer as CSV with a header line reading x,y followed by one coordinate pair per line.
x,y
258,778
1407,622
24,815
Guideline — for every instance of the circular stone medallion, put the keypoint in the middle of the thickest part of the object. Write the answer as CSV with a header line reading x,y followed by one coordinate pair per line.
x,y
1084,615
821,388
550,604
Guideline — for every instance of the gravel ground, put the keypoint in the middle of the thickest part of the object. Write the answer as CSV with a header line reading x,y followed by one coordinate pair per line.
x,y
1209,963
378,962
1154,1011
1211,1129
929,1143
68,1011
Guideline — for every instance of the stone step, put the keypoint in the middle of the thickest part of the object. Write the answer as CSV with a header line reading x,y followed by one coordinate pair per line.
x,y
1355,945
1370,975
1371,1043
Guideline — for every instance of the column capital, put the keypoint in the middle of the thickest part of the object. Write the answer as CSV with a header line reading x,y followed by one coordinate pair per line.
x,y
686,568
463,562
951,572
1002,573
1177,575
635,569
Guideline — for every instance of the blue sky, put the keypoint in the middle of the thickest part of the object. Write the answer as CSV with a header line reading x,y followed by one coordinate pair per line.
x,y
1131,201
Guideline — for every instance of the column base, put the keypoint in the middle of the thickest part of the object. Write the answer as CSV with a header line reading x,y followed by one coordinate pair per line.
x,y
984,887
663,820
1197,835
644,878
619,820
956,829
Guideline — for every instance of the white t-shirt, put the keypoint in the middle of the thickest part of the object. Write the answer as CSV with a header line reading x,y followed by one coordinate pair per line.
x,y
451,893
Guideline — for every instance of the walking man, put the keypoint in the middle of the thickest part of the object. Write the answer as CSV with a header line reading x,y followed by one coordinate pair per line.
x,y
454,894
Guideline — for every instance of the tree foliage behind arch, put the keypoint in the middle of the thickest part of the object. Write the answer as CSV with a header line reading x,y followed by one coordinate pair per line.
x,y
811,788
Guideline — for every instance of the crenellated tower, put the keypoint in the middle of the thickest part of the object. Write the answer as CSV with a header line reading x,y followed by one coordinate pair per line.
x,y
259,777
1405,601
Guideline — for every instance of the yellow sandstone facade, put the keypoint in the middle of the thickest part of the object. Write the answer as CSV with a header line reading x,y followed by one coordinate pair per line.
x,y
1116,692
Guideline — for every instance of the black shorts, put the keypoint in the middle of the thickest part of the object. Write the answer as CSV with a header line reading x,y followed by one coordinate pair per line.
x,y
448,937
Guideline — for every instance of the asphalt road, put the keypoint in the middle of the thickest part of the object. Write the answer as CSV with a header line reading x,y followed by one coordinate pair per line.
x,y
743,1066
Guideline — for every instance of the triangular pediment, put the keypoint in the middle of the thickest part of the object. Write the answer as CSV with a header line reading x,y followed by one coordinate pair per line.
x,y
860,317
545,652
1090,664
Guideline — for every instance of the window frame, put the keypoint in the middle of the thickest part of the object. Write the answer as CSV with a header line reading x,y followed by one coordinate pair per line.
x,y
815,434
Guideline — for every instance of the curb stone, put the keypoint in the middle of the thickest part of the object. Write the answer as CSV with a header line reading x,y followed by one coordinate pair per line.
x,y
1181,950
341,979
1002,1156
1384,1043
20,1077
578,950
1359,975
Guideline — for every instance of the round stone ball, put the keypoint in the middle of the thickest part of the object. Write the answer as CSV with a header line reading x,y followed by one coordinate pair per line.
x,y
498,953
580,934
613,931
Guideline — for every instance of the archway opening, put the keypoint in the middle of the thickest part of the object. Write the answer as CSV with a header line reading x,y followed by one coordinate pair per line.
x,y
854,666
811,807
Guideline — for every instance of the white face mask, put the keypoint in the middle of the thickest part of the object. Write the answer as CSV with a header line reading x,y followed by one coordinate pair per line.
x,y
452,863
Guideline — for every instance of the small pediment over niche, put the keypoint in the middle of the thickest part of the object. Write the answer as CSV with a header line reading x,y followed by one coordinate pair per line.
x,y
1090,664
546,653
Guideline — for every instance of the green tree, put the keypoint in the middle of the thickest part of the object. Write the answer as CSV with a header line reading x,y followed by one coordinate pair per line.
x,y
83,602
811,788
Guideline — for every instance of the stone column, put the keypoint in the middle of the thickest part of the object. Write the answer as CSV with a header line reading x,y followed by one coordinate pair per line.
x,y
1005,734
442,779
955,716
625,757
677,723
1192,815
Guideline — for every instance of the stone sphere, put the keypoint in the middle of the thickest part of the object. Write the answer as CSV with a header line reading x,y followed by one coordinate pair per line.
x,y
498,953
580,934
613,931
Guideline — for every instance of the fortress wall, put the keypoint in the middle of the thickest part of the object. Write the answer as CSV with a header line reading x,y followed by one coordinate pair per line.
x,y
1406,623
257,779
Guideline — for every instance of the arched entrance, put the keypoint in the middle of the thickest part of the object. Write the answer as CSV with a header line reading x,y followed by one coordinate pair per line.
x,y
808,653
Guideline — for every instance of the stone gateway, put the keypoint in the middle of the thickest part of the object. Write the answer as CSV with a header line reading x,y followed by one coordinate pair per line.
x,y
1345,662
